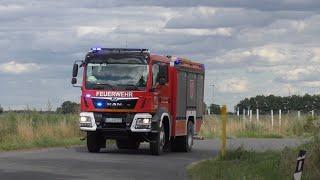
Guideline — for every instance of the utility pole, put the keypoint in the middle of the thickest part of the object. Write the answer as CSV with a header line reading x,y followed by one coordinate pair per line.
x,y
212,96
212,93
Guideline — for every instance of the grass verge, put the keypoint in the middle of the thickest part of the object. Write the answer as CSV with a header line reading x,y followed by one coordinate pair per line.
x,y
37,130
245,165
290,126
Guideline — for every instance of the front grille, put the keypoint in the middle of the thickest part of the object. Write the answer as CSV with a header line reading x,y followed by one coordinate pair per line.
x,y
114,104
127,119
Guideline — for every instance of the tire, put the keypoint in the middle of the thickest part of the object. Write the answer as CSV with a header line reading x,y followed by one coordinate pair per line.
x,y
184,143
127,144
94,142
157,145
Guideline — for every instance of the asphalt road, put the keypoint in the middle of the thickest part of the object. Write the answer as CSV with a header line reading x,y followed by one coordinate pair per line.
x,y
77,163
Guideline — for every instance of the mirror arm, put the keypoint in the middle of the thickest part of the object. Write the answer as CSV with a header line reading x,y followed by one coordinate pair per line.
x,y
76,85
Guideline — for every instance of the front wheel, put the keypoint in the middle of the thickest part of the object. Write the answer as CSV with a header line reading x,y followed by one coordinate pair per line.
x,y
94,142
157,143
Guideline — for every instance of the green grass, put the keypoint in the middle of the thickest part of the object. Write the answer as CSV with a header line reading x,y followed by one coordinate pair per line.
x,y
255,134
246,165
252,165
36,130
290,127
239,165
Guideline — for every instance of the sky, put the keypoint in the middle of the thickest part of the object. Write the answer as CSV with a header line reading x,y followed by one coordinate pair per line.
x,y
248,47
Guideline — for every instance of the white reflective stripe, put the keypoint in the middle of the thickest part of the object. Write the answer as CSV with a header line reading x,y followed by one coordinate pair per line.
x,y
134,122
93,122
300,158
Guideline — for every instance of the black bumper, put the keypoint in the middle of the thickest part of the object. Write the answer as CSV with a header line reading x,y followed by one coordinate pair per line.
x,y
115,133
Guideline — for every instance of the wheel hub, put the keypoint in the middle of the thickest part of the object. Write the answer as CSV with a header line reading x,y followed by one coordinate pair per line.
x,y
190,138
162,137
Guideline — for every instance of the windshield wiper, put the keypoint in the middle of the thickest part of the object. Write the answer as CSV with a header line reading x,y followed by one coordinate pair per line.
x,y
102,86
129,86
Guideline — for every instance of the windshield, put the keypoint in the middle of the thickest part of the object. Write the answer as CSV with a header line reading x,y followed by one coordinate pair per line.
x,y
116,76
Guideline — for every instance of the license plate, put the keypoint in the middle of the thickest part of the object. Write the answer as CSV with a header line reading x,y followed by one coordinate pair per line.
x,y
113,120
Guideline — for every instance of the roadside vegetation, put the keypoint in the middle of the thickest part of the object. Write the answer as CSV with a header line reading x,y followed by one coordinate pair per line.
x,y
237,127
242,164
34,129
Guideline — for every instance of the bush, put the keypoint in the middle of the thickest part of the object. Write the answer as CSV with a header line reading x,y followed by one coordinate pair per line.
x,y
309,125
1,109
68,107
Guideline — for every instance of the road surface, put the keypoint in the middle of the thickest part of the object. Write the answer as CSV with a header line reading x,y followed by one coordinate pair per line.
x,y
77,163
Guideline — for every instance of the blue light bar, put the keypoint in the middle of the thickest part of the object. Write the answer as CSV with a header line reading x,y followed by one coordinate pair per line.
x,y
95,49
177,62
203,67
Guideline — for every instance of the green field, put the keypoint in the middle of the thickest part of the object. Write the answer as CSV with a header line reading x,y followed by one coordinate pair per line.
x,y
33,129
237,127
274,165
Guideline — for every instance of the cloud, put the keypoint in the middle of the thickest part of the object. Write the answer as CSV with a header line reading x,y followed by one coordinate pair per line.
x,y
233,85
92,30
14,67
269,43
303,73
267,55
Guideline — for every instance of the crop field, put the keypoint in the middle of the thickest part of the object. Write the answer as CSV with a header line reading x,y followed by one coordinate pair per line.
x,y
34,129
288,126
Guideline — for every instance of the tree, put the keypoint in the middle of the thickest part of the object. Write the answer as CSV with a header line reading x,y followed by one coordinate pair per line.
x,y
68,107
215,109
1,109
304,103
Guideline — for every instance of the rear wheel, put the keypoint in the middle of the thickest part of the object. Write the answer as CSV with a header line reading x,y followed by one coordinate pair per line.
x,y
157,143
94,142
127,144
184,143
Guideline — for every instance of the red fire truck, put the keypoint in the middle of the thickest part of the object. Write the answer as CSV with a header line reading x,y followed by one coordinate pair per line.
x,y
133,96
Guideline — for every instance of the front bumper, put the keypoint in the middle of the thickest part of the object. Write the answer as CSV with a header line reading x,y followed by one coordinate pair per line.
x,y
96,122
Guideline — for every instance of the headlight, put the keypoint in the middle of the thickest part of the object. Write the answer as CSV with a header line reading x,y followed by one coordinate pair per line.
x,y
85,119
143,123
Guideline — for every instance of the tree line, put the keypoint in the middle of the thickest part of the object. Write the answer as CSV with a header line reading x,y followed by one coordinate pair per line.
x,y
67,107
305,103
1,109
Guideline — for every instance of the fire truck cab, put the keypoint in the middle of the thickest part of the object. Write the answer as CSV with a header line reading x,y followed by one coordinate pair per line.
x,y
132,96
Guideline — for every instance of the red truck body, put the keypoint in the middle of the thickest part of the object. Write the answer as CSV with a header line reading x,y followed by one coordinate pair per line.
x,y
167,98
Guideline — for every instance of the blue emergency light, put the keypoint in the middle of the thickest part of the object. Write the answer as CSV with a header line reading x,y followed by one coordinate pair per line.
x,y
177,62
100,104
95,49
203,67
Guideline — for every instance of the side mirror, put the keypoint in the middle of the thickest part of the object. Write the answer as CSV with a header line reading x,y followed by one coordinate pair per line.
x,y
162,81
74,80
75,70
163,74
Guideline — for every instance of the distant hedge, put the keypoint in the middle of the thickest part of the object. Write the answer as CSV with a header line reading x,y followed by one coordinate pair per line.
x,y
304,103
